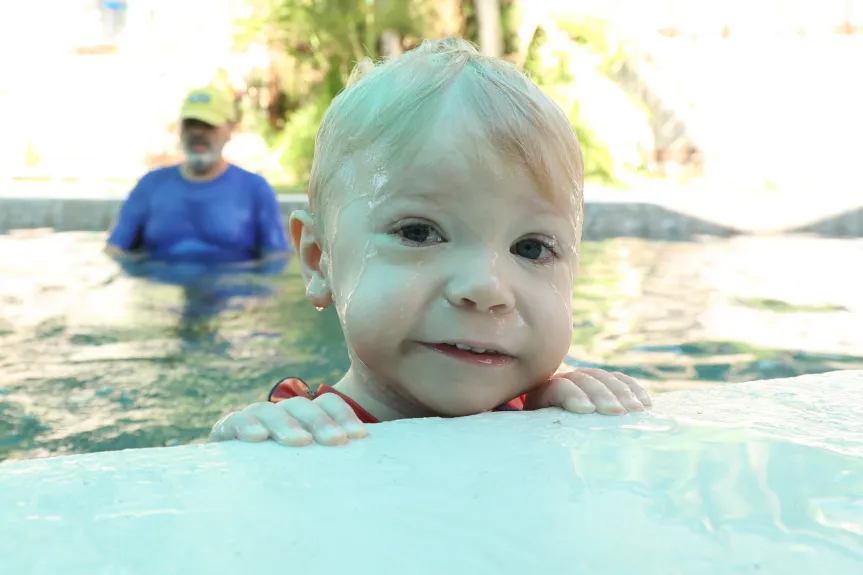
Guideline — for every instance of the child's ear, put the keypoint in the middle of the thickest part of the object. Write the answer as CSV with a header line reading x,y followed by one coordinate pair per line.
x,y
307,245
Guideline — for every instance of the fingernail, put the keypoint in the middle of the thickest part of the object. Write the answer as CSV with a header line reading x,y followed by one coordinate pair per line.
x,y
295,437
331,434
611,408
355,430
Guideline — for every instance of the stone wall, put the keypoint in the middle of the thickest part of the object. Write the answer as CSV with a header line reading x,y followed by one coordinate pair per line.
x,y
663,213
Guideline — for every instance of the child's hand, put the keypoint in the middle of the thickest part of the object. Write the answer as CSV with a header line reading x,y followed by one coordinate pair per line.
x,y
589,390
297,421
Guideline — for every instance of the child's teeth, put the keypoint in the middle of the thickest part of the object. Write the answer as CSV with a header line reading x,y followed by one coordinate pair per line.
x,y
463,347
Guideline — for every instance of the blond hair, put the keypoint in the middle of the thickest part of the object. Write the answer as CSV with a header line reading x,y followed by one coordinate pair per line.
x,y
395,104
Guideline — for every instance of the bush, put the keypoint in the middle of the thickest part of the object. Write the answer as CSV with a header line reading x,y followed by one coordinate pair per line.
x,y
322,40
549,64
294,146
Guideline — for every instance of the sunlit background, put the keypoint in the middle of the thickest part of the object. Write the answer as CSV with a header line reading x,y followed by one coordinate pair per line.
x,y
722,141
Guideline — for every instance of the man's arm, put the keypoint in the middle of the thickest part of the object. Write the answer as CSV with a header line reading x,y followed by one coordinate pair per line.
x,y
126,236
273,249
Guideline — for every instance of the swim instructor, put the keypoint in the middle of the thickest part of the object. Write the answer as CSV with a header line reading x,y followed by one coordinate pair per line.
x,y
206,210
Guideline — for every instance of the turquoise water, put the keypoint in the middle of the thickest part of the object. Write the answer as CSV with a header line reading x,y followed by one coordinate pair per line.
x,y
92,360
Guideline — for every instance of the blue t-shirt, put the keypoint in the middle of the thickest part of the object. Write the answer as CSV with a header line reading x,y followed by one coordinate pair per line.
x,y
233,218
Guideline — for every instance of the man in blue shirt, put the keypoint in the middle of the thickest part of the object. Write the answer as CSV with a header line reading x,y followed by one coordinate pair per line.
x,y
205,211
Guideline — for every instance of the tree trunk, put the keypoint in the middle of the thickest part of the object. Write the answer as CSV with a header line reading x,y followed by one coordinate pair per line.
x,y
490,31
447,19
391,44
275,99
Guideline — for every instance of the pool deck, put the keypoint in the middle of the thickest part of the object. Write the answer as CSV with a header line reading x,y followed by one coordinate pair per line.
x,y
649,209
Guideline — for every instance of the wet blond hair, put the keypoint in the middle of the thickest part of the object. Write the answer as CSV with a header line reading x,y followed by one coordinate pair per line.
x,y
395,104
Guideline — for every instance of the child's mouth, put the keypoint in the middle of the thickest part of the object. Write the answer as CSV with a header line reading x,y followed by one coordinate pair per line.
x,y
476,355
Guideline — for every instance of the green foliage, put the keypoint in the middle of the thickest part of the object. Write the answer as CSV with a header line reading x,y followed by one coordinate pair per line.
x,y
598,162
323,39
553,73
32,157
295,144
509,19
547,73
471,31
327,32
596,36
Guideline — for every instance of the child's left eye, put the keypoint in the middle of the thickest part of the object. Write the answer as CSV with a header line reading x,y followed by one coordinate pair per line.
x,y
419,233
534,249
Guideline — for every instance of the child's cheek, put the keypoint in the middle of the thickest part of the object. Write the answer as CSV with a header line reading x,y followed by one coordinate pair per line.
x,y
372,322
351,258
556,318
371,301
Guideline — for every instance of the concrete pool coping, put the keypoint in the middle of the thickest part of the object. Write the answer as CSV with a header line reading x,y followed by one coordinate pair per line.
x,y
720,457
659,213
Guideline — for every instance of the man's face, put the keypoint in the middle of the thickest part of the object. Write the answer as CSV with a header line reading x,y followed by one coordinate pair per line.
x,y
452,279
203,144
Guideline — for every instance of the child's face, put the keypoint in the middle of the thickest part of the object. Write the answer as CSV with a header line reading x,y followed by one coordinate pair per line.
x,y
446,253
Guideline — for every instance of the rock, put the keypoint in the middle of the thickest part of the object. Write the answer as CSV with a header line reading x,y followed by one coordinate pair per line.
x,y
763,477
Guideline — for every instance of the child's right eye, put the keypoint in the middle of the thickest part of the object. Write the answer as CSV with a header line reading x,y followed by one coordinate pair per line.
x,y
419,233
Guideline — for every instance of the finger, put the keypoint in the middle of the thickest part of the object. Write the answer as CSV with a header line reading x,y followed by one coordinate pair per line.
x,y
282,427
636,388
620,389
314,420
342,415
239,425
225,429
572,398
559,392
602,397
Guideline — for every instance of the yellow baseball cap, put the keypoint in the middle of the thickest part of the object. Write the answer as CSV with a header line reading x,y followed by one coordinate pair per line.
x,y
210,105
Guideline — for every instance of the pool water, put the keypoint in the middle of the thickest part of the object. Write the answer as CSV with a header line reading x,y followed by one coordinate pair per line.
x,y
93,360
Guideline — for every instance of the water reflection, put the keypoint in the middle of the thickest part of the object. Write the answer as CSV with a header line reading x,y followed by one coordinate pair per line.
x,y
726,481
709,361
94,360
130,363
684,314
209,291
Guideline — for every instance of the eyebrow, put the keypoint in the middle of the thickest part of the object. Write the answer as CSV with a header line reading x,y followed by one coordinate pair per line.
x,y
419,190
409,196
541,208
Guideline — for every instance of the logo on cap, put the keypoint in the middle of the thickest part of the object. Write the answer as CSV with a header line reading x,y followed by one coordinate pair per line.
x,y
199,98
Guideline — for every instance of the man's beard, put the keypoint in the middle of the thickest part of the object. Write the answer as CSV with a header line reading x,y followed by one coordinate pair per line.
x,y
199,163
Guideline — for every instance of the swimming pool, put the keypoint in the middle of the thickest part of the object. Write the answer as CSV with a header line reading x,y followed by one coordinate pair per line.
x,y
92,360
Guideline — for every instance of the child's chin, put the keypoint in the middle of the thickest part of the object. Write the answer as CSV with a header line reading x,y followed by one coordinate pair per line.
x,y
461,406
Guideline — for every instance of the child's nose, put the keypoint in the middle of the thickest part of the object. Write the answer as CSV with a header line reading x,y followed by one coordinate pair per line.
x,y
481,286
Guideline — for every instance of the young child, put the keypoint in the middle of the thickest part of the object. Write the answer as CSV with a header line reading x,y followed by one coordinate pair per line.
x,y
444,221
